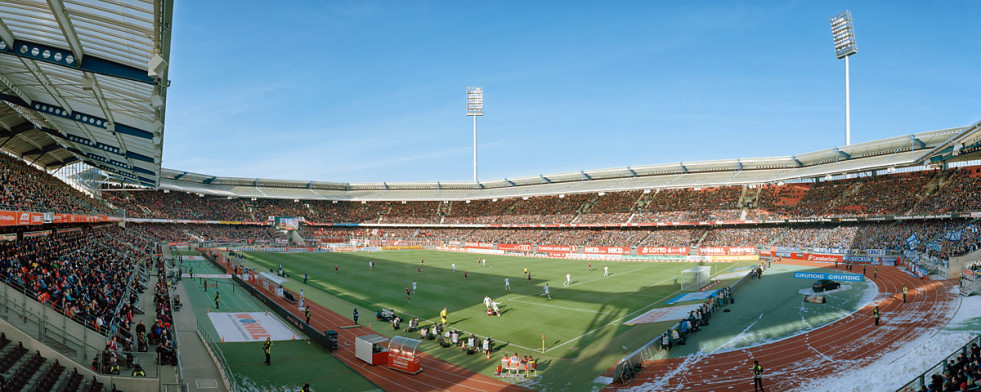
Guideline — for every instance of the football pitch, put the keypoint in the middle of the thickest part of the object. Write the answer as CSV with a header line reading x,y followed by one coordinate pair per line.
x,y
582,323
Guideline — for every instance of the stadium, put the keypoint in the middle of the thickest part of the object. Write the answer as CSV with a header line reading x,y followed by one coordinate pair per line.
x,y
849,268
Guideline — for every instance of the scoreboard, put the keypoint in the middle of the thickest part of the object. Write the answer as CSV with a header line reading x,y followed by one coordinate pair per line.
x,y
286,223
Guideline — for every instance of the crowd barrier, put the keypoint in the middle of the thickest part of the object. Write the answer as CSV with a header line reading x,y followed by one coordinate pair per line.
x,y
921,380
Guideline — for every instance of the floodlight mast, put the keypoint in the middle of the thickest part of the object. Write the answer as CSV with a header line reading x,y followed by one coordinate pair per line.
x,y
475,107
843,32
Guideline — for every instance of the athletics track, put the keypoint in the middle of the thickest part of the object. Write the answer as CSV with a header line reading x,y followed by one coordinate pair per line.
x,y
853,341
436,375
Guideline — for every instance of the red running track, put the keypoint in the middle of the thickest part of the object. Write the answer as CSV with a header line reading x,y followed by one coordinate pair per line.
x,y
853,341
436,375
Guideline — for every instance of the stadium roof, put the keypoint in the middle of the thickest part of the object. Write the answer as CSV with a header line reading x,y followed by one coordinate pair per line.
x,y
86,80
896,152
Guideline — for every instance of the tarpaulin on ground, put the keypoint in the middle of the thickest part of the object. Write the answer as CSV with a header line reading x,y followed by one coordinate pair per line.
x,y
250,327
697,296
664,314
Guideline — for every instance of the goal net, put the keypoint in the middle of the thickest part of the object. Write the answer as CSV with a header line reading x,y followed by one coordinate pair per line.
x,y
695,278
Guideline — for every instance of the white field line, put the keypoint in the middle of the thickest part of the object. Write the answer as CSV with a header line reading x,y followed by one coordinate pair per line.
x,y
628,315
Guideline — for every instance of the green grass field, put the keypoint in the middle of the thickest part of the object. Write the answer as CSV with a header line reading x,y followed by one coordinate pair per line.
x,y
583,320
296,362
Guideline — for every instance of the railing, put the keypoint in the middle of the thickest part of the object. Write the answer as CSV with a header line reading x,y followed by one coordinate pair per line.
x,y
213,340
48,325
939,368
626,367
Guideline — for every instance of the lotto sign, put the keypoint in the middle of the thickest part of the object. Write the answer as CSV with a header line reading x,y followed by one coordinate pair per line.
x,y
662,250
250,327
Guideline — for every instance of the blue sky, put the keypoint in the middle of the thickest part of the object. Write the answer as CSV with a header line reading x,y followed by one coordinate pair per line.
x,y
364,91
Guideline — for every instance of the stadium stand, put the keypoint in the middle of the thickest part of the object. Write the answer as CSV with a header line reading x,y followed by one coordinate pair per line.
x,y
23,187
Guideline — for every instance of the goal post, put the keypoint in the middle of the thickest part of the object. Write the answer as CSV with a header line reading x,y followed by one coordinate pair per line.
x,y
695,278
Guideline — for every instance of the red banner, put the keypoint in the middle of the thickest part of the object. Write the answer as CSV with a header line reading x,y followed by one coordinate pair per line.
x,y
727,250
17,218
662,250
830,258
479,245
557,248
607,250
514,247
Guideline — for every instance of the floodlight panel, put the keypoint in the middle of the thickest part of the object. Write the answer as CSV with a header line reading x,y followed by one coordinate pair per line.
x,y
475,101
843,33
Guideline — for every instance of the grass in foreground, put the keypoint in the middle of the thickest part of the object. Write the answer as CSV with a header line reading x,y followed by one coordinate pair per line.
x,y
294,362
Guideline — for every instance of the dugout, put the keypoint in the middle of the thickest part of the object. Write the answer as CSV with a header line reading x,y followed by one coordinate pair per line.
x,y
402,355
371,349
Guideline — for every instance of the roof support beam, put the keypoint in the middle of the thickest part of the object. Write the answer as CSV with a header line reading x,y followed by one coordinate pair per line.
x,y
5,35
583,172
842,154
61,15
42,150
632,172
683,168
67,59
917,143
797,162
545,178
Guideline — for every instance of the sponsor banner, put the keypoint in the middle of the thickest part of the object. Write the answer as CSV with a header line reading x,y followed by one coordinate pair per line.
x,y
607,250
817,299
875,252
662,250
967,274
250,327
826,258
831,276
726,250
557,248
479,245
515,247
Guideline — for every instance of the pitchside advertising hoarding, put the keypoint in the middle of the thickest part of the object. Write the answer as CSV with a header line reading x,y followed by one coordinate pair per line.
x,y
662,250
726,250
514,247
607,250
557,248
830,276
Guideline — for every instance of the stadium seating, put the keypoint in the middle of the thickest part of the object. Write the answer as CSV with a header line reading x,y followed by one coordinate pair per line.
x,y
25,188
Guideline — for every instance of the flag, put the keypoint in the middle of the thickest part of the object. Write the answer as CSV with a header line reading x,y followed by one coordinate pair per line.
x,y
912,241
953,235
934,245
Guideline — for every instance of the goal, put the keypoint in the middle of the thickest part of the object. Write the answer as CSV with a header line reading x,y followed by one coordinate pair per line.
x,y
695,278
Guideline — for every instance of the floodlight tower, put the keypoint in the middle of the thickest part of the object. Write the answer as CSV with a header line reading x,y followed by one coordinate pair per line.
x,y
475,107
843,32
